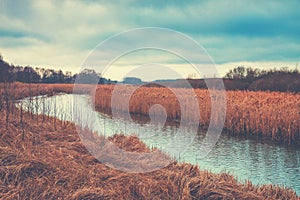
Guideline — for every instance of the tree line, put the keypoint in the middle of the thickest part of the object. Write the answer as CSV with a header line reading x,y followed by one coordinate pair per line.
x,y
27,74
239,78
283,79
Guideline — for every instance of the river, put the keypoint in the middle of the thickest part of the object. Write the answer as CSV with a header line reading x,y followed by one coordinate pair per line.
x,y
247,159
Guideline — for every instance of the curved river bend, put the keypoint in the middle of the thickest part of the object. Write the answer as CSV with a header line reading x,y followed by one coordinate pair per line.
x,y
246,159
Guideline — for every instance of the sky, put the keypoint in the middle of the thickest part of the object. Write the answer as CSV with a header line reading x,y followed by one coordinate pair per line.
x,y
61,34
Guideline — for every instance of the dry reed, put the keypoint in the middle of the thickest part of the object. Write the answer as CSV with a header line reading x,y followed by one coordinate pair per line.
x,y
56,165
272,115
39,161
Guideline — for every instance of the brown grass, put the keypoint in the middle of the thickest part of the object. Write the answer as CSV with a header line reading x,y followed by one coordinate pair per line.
x,y
21,90
52,163
272,115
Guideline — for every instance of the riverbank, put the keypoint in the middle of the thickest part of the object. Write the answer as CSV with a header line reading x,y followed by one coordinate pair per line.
x,y
40,161
14,91
271,115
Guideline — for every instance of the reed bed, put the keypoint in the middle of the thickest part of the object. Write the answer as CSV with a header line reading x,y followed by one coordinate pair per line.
x,y
39,161
271,115
18,90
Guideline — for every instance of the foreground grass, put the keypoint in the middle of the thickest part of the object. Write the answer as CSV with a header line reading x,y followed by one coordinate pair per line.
x,y
39,161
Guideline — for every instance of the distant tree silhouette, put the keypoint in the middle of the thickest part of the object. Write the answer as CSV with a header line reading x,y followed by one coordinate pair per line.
x,y
87,76
10,73
237,73
4,70
239,78
283,79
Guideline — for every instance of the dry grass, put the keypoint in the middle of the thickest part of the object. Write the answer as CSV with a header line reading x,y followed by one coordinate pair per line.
x,y
21,90
53,164
40,161
272,115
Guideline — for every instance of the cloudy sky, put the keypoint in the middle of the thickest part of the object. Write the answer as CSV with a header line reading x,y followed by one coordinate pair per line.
x,y
61,34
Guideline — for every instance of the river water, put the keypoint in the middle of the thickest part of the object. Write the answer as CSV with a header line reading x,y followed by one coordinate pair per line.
x,y
261,163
